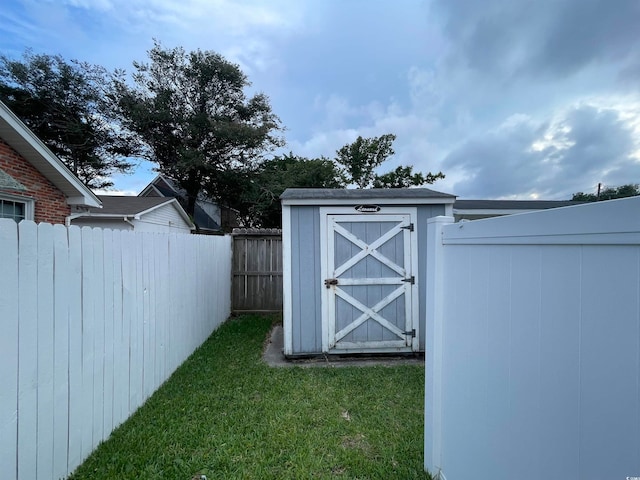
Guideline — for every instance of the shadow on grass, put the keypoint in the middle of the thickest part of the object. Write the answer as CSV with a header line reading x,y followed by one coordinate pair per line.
x,y
227,415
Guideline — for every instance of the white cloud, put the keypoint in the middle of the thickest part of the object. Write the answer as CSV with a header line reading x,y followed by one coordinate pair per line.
x,y
236,17
567,150
340,122
100,5
115,192
120,31
572,150
548,38
425,89
508,99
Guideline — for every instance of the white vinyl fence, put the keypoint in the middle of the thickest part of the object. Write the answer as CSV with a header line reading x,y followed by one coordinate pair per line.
x,y
533,345
92,323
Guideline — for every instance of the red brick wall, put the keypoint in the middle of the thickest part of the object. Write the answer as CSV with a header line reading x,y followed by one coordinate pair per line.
x,y
49,203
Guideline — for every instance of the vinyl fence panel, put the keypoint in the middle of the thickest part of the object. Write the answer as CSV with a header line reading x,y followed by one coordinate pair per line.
x,y
93,322
533,336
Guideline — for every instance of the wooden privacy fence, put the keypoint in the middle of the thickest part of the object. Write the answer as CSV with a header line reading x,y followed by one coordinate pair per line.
x,y
257,270
93,322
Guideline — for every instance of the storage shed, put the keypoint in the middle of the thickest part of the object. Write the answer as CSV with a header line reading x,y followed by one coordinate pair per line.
x,y
353,275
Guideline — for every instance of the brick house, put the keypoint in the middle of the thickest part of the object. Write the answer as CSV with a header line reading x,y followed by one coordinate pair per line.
x,y
34,183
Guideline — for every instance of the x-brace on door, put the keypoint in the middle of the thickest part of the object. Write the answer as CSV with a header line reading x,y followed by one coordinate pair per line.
x,y
370,283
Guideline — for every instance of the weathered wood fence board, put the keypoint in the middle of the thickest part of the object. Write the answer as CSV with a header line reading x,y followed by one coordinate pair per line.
x,y
93,321
257,270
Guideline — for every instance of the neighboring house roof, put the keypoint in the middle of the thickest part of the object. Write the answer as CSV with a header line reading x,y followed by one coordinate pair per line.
x,y
24,141
165,186
114,206
504,207
162,186
204,220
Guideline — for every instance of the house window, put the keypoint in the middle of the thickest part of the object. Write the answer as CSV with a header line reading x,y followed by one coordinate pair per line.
x,y
17,208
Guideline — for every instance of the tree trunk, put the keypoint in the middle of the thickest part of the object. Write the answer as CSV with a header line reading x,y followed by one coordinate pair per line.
x,y
191,204
192,189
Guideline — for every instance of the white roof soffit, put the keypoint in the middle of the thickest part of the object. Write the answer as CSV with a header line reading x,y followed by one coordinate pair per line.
x,y
24,141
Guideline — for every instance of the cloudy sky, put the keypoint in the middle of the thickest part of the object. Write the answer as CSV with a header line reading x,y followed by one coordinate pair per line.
x,y
509,98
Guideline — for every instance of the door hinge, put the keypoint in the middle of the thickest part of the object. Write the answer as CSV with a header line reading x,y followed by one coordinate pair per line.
x,y
411,333
411,280
408,227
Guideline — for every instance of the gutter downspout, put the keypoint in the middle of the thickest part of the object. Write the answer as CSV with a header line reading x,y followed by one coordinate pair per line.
x,y
126,220
67,219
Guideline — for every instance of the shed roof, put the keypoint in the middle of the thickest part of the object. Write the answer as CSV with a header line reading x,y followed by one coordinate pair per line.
x,y
359,193
307,196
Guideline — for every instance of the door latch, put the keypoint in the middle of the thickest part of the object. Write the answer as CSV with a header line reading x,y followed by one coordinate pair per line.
x,y
411,333
330,281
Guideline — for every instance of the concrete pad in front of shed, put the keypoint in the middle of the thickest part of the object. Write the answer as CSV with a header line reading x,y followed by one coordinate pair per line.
x,y
273,355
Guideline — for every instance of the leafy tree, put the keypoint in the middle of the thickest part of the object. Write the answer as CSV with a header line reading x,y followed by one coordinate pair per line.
x,y
623,191
258,190
68,106
584,197
196,120
630,190
403,177
360,159
287,171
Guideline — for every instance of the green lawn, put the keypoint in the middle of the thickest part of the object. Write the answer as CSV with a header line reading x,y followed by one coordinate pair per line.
x,y
227,415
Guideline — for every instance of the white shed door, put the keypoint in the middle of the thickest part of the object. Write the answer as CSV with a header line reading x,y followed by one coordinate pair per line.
x,y
370,283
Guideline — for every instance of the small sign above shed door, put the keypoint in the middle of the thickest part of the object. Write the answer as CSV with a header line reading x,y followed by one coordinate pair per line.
x,y
370,283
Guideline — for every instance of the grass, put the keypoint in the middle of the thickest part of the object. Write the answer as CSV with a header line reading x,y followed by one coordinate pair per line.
x,y
227,415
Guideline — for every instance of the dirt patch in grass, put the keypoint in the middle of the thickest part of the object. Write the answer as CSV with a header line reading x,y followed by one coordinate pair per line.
x,y
356,442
